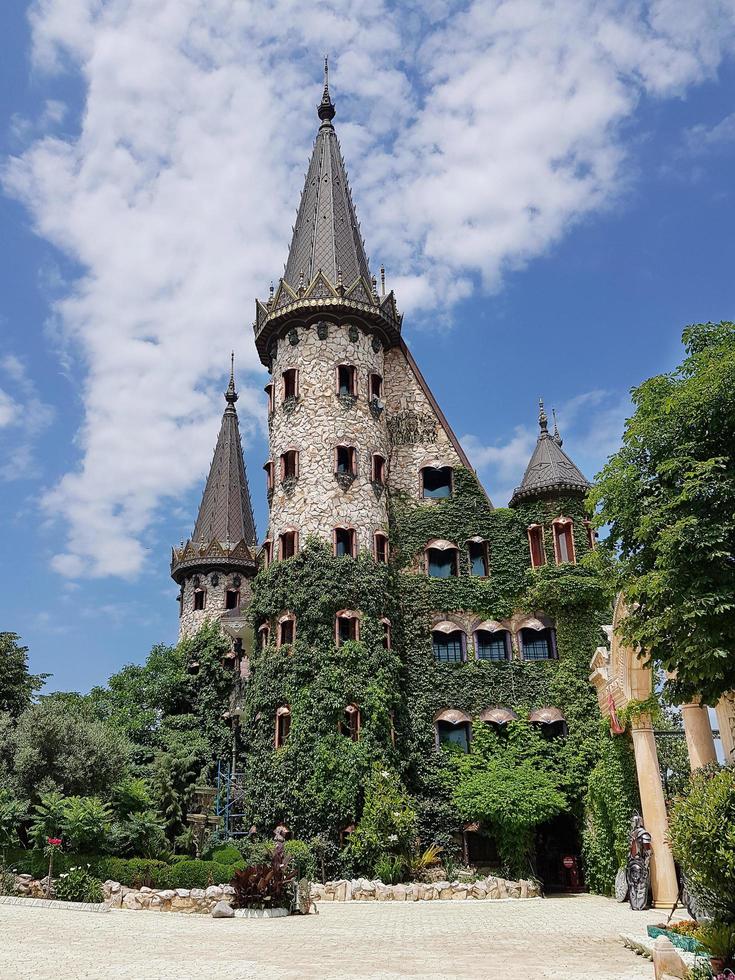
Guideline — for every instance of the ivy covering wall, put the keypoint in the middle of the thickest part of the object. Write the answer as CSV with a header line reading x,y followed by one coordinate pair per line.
x,y
315,781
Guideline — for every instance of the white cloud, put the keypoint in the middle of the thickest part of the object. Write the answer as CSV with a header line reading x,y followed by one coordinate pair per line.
x,y
23,417
703,139
477,132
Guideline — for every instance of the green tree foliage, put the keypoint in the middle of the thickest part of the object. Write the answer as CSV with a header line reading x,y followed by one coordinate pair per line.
x,y
668,496
86,824
58,748
387,826
12,812
508,782
17,685
702,835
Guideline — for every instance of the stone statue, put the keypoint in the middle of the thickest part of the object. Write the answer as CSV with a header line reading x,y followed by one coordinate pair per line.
x,y
638,870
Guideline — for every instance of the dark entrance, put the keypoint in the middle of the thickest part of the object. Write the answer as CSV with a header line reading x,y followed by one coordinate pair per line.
x,y
558,855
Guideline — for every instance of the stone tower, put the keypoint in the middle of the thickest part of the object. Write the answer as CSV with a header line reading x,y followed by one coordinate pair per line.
x,y
215,566
349,413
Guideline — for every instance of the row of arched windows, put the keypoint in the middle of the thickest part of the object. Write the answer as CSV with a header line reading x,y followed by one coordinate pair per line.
x,y
349,724
346,628
491,641
454,728
346,384
344,544
344,466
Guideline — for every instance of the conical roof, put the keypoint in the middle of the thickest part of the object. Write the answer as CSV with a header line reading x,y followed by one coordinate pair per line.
x,y
326,235
226,513
550,470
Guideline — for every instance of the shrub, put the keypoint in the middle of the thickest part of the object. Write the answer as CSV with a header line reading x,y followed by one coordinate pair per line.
x,y
198,874
85,823
702,834
388,822
78,885
718,938
301,858
134,872
7,882
226,854
389,869
263,886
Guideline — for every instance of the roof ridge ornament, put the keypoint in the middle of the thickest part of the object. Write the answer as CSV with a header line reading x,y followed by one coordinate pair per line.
x,y
326,110
543,420
557,437
231,394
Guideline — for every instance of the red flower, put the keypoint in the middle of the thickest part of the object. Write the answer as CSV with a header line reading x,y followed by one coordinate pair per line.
x,y
54,841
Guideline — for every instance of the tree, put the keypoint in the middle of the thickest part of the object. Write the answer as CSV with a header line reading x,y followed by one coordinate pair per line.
x,y
58,748
17,685
668,496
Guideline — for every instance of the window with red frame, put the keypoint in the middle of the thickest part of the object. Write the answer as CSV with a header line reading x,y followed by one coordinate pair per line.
x,y
290,464
283,726
350,723
347,628
346,380
286,632
564,542
386,634
536,545
344,542
269,392
378,475
264,636
267,553
375,386
232,598
381,547
268,467
287,544
290,384
200,599
345,460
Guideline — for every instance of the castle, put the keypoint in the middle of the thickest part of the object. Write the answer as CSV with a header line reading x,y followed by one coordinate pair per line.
x,y
386,611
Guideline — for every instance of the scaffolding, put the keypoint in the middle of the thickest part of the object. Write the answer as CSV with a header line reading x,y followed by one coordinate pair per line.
x,y
230,800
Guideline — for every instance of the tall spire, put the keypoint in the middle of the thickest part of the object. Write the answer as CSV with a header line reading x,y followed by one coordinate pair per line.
x,y
326,235
226,513
550,471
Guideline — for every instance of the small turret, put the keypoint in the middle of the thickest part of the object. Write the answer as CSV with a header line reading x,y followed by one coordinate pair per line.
x,y
550,472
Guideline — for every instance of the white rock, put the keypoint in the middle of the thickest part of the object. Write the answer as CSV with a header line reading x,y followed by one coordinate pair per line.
x,y
223,910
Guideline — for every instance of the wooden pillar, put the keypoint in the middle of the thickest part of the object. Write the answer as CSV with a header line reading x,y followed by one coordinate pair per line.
x,y
698,731
725,710
663,874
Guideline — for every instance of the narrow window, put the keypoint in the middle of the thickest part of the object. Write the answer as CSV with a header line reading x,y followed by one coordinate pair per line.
x,y
381,547
477,552
563,540
283,726
386,634
441,562
454,735
267,553
536,545
268,467
290,384
344,542
269,392
290,465
448,647
287,544
346,380
538,644
492,645
347,627
232,599
350,723
199,599
180,598
286,631
264,636
378,475
345,460
375,386
591,535
436,482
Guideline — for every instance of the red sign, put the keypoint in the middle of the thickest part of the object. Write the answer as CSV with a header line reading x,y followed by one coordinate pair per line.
x,y
568,862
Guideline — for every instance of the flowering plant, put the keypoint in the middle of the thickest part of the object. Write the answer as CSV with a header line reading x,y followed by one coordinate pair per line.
x,y
53,844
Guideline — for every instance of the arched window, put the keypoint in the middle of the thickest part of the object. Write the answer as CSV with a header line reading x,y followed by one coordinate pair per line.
x,y
264,636
453,728
436,482
268,467
286,630
536,545
283,725
346,380
349,725
378,469
498,717
347,626
288,543
290,384
380,547
375,386
345,461
232,598
449,643
269,392
200,599
537,642
477,554
386,634
563,540
591,535
492,642
290,465
441,559
344,541
267,552
550,722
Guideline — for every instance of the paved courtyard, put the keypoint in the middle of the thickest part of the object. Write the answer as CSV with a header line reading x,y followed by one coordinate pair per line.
x,y
554,938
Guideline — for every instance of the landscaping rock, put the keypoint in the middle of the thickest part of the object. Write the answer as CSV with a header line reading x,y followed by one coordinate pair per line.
x,y
223,910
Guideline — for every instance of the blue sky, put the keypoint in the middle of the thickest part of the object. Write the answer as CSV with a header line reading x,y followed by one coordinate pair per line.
x,y
550,188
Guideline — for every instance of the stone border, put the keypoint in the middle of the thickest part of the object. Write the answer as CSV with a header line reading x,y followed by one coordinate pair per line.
x,y
364,890
50,903
260,913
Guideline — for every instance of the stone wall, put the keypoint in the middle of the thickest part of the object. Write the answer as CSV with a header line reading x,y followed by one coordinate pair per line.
x,y
318,422
192,619
363,890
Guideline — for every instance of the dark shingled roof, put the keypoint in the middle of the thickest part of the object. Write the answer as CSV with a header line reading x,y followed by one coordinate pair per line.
x,y
550,470
225,513
326,235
